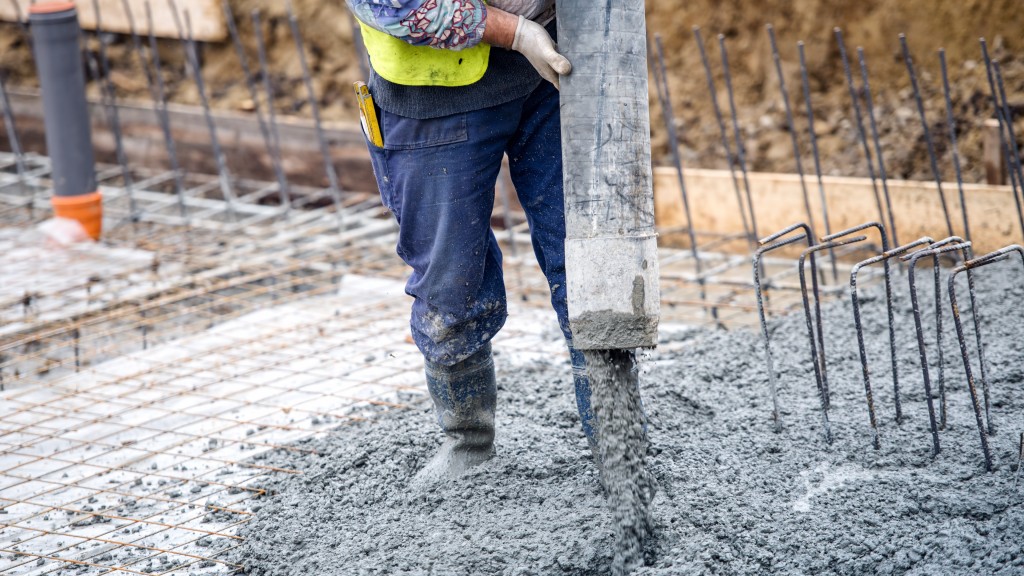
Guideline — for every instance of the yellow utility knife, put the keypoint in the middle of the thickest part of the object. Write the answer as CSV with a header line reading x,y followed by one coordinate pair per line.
x,y
368,115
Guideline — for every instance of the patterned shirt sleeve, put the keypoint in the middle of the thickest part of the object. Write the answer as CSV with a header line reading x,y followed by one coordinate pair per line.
x,y
448,24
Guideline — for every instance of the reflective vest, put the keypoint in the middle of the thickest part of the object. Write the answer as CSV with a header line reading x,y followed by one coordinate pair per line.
x,y
399,62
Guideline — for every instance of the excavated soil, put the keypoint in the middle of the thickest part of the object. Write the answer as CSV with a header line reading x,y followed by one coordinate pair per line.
x,y
734,497
873,24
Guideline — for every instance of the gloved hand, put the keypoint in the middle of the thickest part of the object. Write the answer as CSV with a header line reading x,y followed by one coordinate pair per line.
x,y
534,42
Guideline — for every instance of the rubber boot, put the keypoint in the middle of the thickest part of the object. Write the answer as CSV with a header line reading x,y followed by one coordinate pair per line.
x,y
464,398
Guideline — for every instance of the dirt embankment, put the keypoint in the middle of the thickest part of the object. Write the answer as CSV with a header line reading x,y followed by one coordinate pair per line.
x,y
873,24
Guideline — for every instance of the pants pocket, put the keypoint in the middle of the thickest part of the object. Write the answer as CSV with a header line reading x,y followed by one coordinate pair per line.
x,y
401,133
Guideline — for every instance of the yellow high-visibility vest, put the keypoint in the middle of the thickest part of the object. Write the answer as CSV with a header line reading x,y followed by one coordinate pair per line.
x,y
399,62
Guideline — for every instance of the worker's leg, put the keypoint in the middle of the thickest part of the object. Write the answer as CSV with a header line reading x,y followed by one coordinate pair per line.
x,y
535,163
437,177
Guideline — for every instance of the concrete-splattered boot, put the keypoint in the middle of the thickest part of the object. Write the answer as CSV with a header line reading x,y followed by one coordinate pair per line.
x,y
464,397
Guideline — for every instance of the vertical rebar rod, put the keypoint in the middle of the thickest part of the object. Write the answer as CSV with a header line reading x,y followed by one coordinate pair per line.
x,y
817,158
243,60
884,257
869,107
966,255
192,62
927,133
1011,131
665,96
109,96
741,155
937,269
5,108
817,337
268,88
23,23
314,108
768,246
12,135
792,129
861,133
137,44
923,348
160,108
887,269
222,169
971,386
1015,185
951,120
1020,460
823,392
937,287
77,336
723,131
985,427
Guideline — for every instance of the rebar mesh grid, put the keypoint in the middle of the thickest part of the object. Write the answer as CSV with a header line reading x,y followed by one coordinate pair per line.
x,y
157,278
143,464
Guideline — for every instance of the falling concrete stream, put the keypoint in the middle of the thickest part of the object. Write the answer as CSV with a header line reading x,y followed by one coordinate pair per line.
x,y
734,497
622,448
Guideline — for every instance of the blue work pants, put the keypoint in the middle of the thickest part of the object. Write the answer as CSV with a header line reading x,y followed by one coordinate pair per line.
x,y
437,176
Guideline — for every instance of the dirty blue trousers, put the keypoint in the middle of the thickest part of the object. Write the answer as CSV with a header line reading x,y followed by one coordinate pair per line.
x,y
437,176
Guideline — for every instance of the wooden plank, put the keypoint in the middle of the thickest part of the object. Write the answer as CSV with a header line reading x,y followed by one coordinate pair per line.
x,y
778,201
239,136
207,19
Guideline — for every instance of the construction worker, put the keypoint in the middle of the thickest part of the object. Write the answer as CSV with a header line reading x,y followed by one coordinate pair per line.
x,y
456,85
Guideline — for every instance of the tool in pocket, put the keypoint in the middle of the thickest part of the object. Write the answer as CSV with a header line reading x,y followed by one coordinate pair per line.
x,y
368,115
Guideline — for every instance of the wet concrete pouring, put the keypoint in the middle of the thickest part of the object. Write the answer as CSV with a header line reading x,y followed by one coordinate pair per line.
x,y
733,496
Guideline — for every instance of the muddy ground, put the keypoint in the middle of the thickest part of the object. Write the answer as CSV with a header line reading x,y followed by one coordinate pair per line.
x,y
873,24
734,497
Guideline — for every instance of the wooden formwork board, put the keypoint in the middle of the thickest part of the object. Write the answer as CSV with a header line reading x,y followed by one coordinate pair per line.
x,y
238,133
779,202
207,19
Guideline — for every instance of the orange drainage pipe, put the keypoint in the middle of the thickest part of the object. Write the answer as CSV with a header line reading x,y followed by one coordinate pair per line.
x,y
56,37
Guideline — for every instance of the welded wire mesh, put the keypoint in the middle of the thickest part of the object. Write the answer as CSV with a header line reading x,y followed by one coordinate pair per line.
x,y
147,463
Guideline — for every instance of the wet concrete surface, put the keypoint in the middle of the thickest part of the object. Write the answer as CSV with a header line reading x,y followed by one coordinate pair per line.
x,y
733,497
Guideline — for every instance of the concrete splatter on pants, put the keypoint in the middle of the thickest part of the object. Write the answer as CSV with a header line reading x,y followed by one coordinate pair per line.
x,y
437,176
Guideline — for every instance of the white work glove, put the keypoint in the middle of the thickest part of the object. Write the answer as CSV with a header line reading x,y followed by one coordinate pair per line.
x,y
534,42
